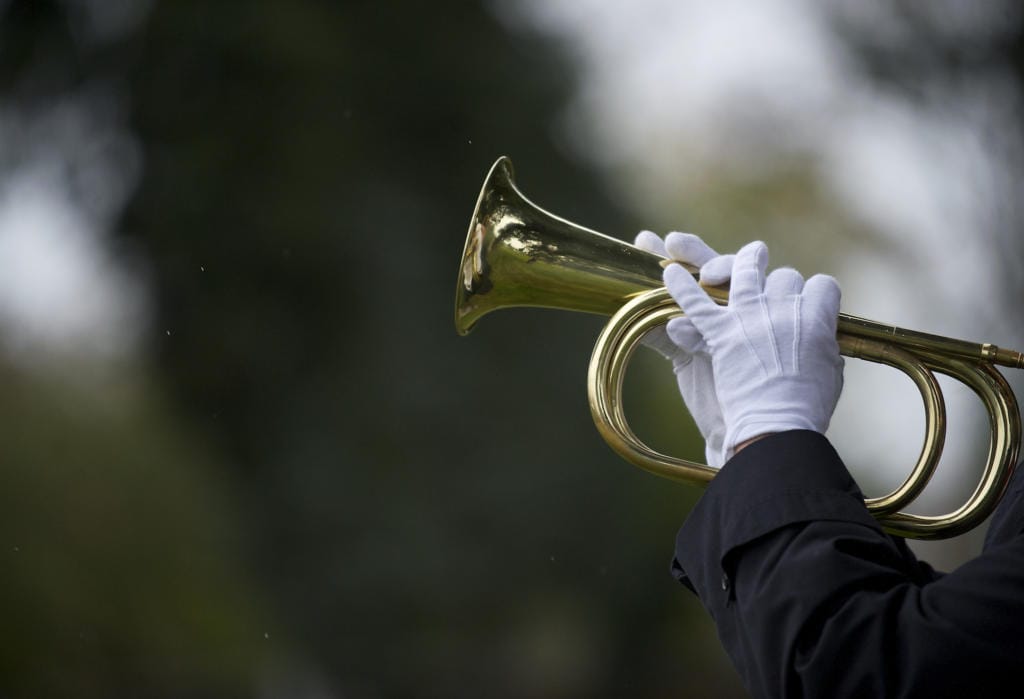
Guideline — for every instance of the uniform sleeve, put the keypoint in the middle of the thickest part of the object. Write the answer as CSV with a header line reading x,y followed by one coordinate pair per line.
x,y
1007,521
812,599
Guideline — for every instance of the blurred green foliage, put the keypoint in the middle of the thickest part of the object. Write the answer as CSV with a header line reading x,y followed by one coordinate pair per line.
x,y
312,485
120,541
308,485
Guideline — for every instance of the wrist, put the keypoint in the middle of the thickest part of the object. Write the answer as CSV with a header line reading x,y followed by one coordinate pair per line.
x,y
747,426
742,445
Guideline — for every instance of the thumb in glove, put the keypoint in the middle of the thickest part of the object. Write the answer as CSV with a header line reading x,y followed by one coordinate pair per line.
x,y
688,352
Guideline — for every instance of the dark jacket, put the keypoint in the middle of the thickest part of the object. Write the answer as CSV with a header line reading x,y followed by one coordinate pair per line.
x,y
812,599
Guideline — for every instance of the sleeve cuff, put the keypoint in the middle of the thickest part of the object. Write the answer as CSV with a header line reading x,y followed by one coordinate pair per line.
x,y
782,479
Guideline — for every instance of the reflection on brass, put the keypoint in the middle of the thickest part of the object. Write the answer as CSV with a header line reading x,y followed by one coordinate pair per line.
x,y
517,254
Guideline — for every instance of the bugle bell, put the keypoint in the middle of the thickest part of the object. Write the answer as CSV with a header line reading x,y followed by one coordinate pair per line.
x,y
517,254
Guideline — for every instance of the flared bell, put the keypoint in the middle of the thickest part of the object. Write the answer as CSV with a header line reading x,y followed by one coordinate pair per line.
x,y
517,254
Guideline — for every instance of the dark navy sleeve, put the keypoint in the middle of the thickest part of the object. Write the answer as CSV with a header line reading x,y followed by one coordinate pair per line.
x,y
1008,520
812,599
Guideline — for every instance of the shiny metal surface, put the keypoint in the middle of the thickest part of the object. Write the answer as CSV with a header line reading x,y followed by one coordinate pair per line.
x,y
517,254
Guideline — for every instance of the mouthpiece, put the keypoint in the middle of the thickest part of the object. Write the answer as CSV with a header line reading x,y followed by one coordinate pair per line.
x,y
1010,358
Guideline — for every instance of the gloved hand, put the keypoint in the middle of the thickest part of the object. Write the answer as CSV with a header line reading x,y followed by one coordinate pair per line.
x,y
775,358
692,366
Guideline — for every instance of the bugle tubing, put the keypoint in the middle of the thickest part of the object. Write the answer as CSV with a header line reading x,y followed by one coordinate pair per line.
x,y
518,254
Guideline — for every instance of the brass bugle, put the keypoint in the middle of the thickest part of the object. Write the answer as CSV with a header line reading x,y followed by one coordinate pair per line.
x,y
518,254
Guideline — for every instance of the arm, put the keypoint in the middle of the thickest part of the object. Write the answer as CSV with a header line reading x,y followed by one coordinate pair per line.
x,y
811,598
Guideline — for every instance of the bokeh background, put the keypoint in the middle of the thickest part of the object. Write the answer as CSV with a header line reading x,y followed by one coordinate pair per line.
x,y
244,453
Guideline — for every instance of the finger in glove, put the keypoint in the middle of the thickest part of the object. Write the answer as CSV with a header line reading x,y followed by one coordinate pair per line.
x,y
688,248
648,241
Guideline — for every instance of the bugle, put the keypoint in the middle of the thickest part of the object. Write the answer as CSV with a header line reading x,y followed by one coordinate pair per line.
x,y
517,254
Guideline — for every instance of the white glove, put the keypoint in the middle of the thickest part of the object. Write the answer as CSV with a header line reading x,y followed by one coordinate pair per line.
x,y
692,366
773,348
